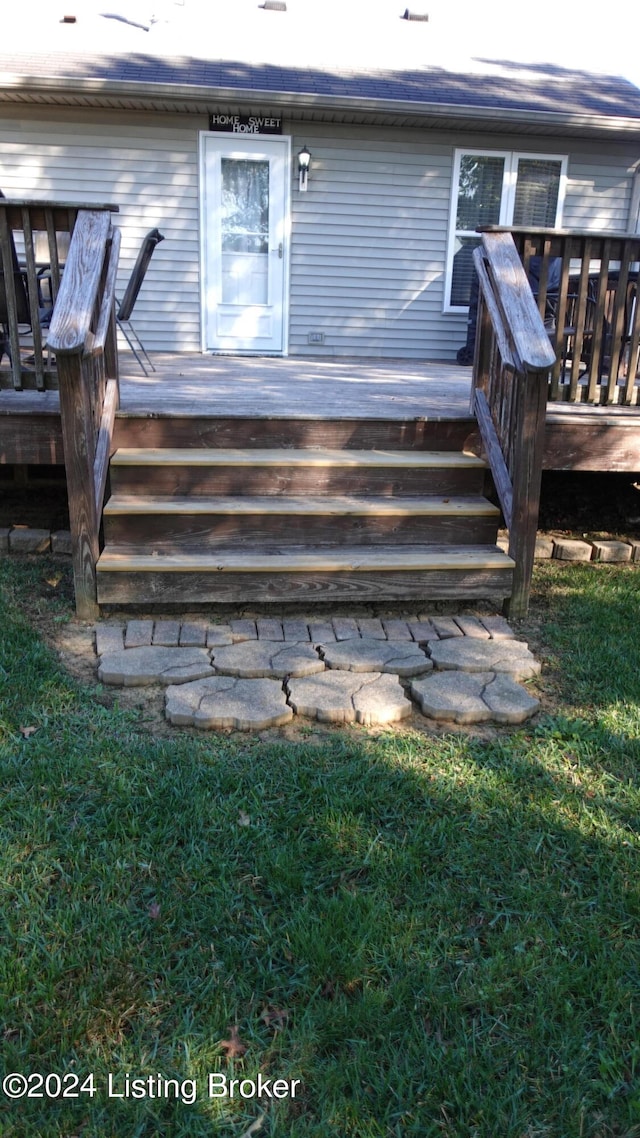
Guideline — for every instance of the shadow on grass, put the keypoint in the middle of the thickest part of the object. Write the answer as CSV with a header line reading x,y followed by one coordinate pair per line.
x,y
435,935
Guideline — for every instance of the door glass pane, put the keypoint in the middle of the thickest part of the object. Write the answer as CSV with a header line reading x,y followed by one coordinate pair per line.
x,y
537,189
245,230
479,190
463,269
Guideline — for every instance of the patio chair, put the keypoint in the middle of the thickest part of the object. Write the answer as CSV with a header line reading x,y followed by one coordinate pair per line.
x,y
127,304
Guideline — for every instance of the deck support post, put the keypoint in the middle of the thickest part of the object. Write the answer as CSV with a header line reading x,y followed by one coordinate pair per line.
x,y
528,452
78,439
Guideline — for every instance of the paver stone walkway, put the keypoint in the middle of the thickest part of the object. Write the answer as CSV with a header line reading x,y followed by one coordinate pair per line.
x,y
253,674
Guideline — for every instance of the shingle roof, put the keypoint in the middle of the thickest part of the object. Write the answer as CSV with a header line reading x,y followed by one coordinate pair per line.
x,y
495,85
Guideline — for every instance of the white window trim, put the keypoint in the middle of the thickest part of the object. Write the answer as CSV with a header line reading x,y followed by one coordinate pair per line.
x,y
507,202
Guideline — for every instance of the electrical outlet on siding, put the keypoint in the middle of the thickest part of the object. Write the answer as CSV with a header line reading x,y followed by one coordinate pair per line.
x,y
315,337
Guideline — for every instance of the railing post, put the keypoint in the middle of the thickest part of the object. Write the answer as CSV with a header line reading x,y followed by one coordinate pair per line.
x,y
512,363
111,367
78,335
528,448
78,439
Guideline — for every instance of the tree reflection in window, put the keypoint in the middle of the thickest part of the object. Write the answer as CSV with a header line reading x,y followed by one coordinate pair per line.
x,y
245,206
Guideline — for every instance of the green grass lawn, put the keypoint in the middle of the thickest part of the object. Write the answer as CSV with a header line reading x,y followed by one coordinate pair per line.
x,y
436,935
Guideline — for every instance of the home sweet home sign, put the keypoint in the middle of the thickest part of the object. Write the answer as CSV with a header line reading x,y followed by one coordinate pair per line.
x,y
246,124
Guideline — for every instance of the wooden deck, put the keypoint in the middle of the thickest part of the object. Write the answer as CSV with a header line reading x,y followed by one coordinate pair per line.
x,y
579,437
295,388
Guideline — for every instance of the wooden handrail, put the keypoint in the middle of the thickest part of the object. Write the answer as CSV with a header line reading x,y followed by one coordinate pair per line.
x,y
513,359
82,335
75,307
529,341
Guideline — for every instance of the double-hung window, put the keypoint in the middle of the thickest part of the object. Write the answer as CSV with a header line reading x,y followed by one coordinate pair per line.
x,y
497,188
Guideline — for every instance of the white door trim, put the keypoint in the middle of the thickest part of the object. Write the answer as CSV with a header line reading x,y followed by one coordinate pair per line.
x,y
240,141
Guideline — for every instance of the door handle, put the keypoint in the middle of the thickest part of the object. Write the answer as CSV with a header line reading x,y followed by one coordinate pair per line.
x,y
279,251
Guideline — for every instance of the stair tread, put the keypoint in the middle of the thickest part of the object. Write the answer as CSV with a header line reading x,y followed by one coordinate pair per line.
x,y
283,456
427,505
303,559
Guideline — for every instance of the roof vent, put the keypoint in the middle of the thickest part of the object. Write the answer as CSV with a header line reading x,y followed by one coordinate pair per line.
x,y
68,20
423,17
274,6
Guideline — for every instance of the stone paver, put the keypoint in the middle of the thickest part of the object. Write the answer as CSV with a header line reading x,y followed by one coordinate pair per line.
x,y
363,655
256,658
422,630
343,697
166,633
295,630
466,655
462,697
243,630
228,701
611,551
372,628
397,629
543,548
139,667
193,635
138,633
61,541
567,549
455,697
218,634
446,627
635,550
321,632
471,626
509,701
23,539
498,628
269,629
345,627
109,638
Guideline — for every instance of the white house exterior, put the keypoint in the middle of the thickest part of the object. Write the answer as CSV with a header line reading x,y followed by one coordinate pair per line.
x,y
361,263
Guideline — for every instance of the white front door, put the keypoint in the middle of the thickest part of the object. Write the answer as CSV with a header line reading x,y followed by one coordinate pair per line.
x,y
245,229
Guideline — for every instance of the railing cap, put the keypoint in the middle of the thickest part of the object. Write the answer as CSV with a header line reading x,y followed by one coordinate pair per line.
x,y
545,231
533,351
42,203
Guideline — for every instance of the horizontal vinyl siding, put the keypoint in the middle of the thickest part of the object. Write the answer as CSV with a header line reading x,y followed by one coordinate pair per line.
x,y
598,192
369,237
368,241
146,165
368,247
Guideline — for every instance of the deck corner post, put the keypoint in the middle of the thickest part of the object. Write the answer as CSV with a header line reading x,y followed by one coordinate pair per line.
x,y
527,478
78,440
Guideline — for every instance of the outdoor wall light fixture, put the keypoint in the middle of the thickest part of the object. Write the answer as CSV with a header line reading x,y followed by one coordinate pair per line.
x,y
304,162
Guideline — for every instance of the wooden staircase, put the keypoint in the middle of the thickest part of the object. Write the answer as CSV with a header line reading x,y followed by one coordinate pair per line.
x,y
304,511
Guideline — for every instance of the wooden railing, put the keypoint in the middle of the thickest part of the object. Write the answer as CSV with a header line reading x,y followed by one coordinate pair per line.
x,y
513,361
34,242
586,287
82,337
